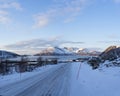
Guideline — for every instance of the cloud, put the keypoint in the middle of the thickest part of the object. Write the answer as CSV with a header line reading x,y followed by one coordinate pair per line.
x,y
4,17
108,42
34,46
2,12
69,20
5,6
72,42
4,20
41,20
116,1
67,10
10,5
113,36
16,5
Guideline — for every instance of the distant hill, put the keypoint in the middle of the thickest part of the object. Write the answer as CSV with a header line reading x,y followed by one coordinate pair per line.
x,y
108,58
111,53
7,54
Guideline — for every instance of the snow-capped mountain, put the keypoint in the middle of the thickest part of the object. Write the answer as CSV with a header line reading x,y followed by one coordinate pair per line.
x,y
84,51
72,49
54,51
88,51
6,54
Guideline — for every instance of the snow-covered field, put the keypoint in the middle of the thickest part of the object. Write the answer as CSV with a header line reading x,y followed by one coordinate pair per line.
x,y
99,82
7,79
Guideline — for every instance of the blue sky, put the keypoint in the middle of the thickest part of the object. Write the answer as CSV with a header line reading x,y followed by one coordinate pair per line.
x,y
75,23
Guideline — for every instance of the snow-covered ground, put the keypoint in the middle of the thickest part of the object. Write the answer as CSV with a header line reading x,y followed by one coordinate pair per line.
x,y
100,82
7,79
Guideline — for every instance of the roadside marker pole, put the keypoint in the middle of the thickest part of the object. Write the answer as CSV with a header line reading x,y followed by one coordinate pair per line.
x,y
20,75
78,73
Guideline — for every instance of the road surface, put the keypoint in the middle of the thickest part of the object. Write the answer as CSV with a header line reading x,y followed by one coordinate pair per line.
x,y
55,82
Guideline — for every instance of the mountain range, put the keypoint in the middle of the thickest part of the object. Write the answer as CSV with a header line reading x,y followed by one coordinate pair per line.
x,y
68,51
7,54
55,51
111,53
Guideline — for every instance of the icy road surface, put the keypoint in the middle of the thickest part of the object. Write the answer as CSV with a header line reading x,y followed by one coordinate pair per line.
x,y
55,82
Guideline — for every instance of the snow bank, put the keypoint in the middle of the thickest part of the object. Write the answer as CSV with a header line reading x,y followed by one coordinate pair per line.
x,y
95,82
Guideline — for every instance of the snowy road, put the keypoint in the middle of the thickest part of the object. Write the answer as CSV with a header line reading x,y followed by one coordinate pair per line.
x,y
64,80
55,82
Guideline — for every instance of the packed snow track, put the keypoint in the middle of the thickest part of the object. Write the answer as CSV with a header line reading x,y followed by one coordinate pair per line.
x,y
54,82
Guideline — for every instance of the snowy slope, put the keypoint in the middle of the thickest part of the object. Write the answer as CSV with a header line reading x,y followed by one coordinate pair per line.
x,y
72,49
84,51
54,51
6,54
102,82
89,51
111,53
